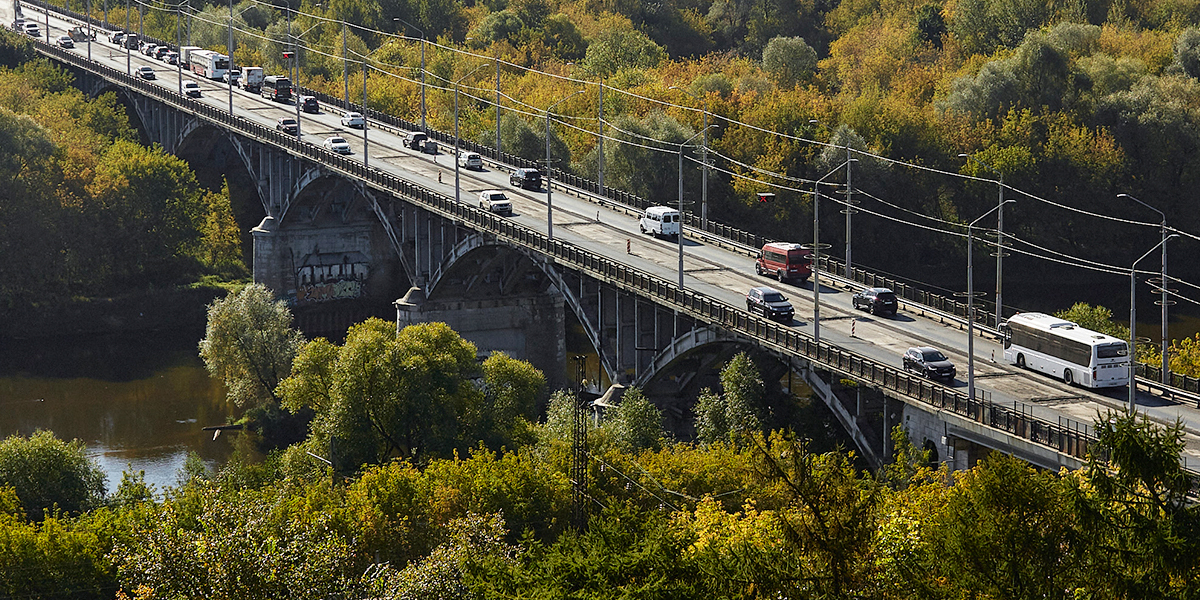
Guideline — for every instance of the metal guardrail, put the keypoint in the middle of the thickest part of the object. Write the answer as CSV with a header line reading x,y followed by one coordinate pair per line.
x,y
1066,439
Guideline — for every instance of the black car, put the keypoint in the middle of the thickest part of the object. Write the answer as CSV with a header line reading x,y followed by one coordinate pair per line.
x,y
877,301
769,303
309,104
929,362
287,125
415,140
530,179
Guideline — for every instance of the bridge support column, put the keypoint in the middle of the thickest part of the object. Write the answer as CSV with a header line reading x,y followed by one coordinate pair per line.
x,y
531,328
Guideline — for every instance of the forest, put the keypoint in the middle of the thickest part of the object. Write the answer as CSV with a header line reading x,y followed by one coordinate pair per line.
x,y
422,473
1067,103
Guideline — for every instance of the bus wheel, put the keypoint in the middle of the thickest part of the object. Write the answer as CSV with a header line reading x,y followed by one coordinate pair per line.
x,y
1067,379
1021,360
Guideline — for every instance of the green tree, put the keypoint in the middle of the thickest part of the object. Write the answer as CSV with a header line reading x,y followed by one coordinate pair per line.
x,y
249,344
1187,52
221,245
636,423
499,26
442,574
615,50
1138,526
1005,532
48,473
1096,318
931,26
385,394
789,60
563,38
736,412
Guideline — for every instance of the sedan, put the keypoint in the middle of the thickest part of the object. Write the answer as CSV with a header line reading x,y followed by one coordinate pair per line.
x,y
769,303
171,58
191,89
64,42
352,119
287,125
160,51
337,144
145,72
928,362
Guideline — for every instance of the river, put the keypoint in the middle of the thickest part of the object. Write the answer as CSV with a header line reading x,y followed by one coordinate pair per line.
x,y
139,402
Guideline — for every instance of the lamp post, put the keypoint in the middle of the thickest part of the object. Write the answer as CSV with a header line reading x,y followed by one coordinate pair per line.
x,y
971,300
816,249
1133,317
457,186
89,22
345,67
549,200
125,42
679,238
703,159
229,68
1166,373
179,57
398,19
999,235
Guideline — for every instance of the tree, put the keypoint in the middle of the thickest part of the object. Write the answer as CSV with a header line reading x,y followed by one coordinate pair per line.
x,y
384,394
520,138
739,410
1096,318
636,423
499,26
48,473
249,344
615,50
221,246
931,26
1138,526
563,38
1005,532
1187,52
789,60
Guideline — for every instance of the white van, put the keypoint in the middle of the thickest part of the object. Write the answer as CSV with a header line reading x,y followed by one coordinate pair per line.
x,y
660,221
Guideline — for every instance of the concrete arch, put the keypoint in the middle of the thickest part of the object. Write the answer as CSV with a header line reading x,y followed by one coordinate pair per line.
x,y
476,242
684,344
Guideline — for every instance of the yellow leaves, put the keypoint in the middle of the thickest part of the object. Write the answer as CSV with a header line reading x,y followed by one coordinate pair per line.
x,y
722,533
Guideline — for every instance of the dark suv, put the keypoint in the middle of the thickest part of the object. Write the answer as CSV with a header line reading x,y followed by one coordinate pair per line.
x,y
929,362
769,303
877,301
530,179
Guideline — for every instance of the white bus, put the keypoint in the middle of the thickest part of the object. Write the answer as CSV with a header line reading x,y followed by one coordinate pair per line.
x,y
208,64
1065,350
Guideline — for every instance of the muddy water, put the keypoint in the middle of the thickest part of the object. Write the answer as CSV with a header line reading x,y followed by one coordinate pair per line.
x,y
138,402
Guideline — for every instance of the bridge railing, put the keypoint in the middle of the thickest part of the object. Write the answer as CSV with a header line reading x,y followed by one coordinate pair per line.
x,y
1069,438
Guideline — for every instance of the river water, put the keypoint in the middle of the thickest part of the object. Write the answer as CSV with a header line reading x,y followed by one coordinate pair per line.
x,y
139,402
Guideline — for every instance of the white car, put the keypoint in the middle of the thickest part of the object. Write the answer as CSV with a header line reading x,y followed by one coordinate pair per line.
x,y
352,119
470,160
495,201
191,89
64,42
337,144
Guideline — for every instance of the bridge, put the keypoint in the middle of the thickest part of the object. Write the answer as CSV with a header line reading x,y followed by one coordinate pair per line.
x,y
343,236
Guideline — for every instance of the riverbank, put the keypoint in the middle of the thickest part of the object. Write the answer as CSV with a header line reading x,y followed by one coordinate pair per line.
x,y
148,310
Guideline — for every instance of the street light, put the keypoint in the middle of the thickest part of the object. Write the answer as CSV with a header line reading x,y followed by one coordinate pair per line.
x,y
89,22
229,67
456,175
1166,373
679,237
816,248
549,202
999,236
703,159
422,69
1133,317
971,300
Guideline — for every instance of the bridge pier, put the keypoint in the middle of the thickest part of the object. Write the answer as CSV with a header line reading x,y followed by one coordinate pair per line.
x,y
529,328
